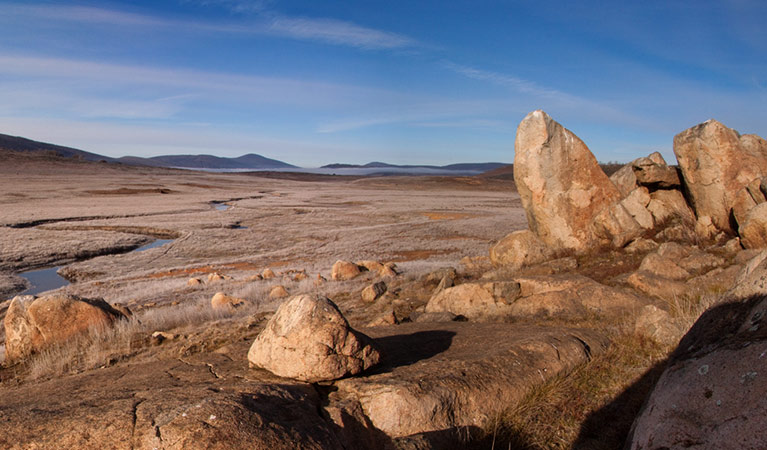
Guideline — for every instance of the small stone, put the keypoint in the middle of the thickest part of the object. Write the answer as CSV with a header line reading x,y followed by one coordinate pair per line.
x,y
223,301
278,291
373,291
344,270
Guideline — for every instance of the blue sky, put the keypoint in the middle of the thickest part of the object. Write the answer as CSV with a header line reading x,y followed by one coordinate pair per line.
x,y
411,82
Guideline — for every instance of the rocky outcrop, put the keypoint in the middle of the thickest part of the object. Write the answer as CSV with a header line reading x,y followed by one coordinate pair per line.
x,y
519,249
560,183
711,394
563,295
308,339
33,324
653,172
462,388
571,296
716,163
650,172
214,407
663,272
476,301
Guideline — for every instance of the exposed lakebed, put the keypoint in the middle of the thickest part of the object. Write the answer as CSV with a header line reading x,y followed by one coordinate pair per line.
x,y
42,280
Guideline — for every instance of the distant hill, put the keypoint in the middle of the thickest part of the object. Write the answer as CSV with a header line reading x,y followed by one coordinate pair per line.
x,y
464,167
505,172
20,144
249,161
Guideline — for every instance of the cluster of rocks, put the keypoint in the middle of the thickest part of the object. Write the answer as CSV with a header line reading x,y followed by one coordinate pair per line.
x,y
346,270
572,206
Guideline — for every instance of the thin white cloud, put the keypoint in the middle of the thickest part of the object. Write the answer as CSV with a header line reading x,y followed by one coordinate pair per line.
x,y
328,31
237,6
514,83
421,113
548,98
113,79
338,32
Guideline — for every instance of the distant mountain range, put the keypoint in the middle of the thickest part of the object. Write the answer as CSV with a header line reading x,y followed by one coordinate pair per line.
x,y
20,144
249,161
463,167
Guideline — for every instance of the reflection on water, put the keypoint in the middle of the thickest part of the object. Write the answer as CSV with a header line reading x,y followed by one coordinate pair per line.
x,y
155,244
43,280
221,206
47,279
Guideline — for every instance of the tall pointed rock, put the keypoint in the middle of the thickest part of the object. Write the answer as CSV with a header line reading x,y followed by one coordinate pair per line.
x,y
560,182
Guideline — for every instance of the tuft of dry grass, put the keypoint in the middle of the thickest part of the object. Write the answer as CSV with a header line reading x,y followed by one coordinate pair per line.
x,y
572,409
594,405
105,346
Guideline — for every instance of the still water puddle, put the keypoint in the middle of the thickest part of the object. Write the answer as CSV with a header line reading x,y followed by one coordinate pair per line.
x,y
220,206
43,280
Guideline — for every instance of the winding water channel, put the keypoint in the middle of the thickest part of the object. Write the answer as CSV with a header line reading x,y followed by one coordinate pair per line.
x,y
42,280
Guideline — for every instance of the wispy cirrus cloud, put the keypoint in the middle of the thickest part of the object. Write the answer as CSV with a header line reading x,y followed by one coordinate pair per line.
x,y
423,113
328,31
236,6
60,74
338,32
511,82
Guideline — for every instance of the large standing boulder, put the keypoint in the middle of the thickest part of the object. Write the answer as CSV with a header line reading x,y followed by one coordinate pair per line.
x,y
716,162
560,183
711,394
33,324
308,339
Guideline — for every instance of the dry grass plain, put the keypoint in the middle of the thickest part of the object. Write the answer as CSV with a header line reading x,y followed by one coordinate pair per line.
x,y
58,212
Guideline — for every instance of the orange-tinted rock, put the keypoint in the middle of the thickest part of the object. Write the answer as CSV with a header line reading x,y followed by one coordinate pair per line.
x,y
34,324
560,183
715,165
